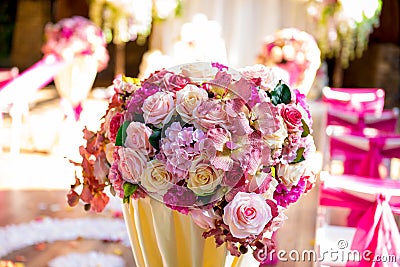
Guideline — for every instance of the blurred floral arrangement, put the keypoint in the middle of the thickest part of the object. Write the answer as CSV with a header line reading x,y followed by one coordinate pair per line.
x,y
128,20
293,50
229,148
73,37
343,26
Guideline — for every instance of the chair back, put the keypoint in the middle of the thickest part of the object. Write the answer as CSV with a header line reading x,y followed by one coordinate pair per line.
x,y
354,99
387,121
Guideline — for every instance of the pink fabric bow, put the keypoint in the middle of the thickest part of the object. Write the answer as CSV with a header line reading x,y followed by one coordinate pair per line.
x,y
377,233
31,80
364,162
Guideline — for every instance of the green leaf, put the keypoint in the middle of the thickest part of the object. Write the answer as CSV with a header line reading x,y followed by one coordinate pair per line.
x,y
299,155
306,129
281,94
139,118
155,138
129,190
121,134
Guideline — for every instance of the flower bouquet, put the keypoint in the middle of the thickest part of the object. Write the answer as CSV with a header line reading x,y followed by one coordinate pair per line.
x,y
81,44
296,52
200,149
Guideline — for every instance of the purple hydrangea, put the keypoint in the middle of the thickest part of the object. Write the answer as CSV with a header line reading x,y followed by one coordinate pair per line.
x,y
179,198
285,196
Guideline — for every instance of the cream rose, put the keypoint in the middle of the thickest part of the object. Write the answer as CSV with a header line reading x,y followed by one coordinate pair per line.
x,y
137,137
158,108
291,174
155,178
188,99
131,164
204,178
247,214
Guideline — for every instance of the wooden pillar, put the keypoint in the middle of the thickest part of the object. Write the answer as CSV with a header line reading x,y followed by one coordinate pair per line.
x,y
119,59
69,8
29,32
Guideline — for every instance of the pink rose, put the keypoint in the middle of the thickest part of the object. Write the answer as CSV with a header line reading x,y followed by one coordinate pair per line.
x,y
131,164
292,118
173,82
247,214
158,108
116,180
209,114
114,125
138,137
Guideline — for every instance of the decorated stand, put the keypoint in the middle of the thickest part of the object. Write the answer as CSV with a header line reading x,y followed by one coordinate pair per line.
x,y
205,160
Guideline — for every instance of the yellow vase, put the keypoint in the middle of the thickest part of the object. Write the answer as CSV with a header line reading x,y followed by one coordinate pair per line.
x,y
161,237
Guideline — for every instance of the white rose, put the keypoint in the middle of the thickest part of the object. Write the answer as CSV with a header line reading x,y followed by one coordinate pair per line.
x,y
188,99
276,139
290,174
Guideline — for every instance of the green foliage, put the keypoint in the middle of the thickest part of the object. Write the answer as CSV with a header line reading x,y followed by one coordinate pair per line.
x,y
281,94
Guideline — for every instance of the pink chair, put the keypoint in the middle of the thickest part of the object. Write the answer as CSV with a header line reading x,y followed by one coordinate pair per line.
x,y
353,111
364,154
386,121
354,99
375,232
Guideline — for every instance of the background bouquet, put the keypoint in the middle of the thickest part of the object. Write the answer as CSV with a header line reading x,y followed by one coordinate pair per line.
x,y
228,148
293,50
73,37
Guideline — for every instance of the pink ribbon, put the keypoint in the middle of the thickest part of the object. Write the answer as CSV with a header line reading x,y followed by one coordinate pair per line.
x,y
376,233
352,154
373,158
